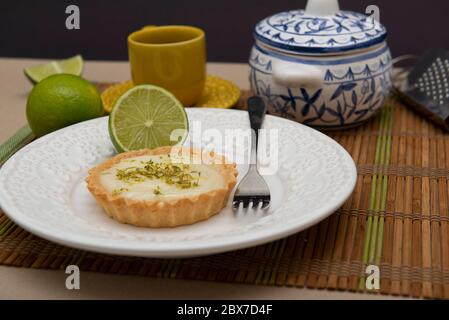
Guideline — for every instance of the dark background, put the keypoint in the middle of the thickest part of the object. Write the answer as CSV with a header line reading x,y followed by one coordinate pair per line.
x,y
37,28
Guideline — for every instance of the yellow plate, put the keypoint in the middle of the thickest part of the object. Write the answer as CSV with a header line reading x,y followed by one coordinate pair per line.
x,y
111,94
217,93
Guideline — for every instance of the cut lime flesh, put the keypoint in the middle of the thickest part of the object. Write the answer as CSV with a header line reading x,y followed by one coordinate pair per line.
x,y
147,117
73,65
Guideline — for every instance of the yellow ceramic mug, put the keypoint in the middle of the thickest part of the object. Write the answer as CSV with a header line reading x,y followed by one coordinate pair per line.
x,y
172,57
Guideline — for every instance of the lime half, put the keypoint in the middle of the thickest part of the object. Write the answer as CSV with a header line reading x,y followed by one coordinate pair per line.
x,y
147,117
72,65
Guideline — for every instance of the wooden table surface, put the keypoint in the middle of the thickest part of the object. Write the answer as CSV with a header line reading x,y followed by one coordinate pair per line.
x,y
48,284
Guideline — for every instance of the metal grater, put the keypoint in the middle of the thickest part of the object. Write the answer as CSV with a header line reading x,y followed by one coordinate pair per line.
x,y
426,87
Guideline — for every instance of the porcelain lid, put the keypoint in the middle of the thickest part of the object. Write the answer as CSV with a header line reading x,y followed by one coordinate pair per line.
x,y
306,33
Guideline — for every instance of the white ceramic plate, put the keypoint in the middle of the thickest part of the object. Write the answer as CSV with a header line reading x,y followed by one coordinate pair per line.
x,y
42,189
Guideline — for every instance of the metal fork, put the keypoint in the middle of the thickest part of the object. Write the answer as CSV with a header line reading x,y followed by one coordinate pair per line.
x,y
253,191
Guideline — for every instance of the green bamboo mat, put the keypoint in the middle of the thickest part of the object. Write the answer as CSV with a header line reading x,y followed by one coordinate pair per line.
x,y
16,142
397,219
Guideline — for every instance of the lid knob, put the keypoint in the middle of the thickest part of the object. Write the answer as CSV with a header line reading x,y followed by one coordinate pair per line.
x,y
322,7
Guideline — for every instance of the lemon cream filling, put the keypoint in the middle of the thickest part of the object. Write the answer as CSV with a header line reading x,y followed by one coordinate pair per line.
x,y
159,176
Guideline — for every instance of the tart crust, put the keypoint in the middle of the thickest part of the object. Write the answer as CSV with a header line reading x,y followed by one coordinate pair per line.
x,y
160,213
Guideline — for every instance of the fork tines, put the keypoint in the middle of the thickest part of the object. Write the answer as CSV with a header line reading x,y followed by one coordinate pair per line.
x,y
249,202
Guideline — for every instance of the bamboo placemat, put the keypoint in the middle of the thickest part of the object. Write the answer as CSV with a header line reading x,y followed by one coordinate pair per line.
x,y
397,219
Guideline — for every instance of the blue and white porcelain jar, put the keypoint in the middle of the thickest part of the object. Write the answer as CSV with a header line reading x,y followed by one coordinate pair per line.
x,y
323,67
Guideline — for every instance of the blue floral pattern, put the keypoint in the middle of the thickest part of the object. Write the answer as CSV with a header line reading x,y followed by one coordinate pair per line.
x,y
350,95
294,30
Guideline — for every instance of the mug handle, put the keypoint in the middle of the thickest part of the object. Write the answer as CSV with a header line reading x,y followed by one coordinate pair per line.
x,y
297,75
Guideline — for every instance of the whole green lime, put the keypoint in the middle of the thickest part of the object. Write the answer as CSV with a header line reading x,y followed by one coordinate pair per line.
x,y
62,100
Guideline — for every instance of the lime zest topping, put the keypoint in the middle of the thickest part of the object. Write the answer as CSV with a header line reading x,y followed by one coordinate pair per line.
x,y
117,192
157,191
180,175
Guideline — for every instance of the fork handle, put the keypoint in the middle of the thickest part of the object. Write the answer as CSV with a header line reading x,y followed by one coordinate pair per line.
x,y
257,109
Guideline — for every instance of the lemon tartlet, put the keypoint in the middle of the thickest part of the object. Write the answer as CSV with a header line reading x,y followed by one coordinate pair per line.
x,y
163,187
